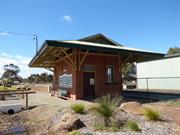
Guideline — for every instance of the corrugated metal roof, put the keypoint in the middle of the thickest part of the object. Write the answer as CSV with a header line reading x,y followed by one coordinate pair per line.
x,y
83,45
105,46
100,35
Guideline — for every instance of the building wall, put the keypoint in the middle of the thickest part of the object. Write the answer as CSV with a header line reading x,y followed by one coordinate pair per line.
x,y
159,71
59,69
101,87
101,63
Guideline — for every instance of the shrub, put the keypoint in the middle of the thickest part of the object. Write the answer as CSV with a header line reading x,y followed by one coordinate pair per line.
x,y
87,134
106,108
75,132
174,103
152,114
132,125
102,127
78,108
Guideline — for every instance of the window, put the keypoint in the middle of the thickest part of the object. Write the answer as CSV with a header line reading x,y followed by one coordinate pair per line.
x,y
110,74
88,68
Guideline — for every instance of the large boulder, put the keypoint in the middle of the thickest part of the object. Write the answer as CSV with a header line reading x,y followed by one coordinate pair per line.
x,y
69,122
132,107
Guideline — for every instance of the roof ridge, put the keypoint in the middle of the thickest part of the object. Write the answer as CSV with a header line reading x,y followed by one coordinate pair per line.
x,y
103,36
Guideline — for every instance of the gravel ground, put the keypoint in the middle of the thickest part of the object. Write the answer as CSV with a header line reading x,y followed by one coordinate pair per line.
x,y
10,121
164,127
49,110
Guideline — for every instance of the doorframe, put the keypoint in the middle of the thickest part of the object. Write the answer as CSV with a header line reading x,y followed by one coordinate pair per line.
x,y
90,72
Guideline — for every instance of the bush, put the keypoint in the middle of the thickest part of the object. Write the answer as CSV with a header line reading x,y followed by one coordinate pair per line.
x,y
132,125
106,108
87,134
75,133
102,127
152,114
78,108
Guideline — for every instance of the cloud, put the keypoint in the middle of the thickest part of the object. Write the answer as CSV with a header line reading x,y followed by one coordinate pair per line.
x,y
20,61
4,34
67,18
6,55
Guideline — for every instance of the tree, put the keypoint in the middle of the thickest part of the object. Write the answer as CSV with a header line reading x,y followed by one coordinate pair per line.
x,y
129,71
11,72
174,50
42,78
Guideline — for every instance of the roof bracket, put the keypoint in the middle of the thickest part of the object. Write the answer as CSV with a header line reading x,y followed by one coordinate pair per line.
x,y
82,60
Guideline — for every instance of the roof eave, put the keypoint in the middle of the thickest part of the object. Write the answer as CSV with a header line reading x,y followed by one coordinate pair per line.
x,y
97,48
53,43
44,45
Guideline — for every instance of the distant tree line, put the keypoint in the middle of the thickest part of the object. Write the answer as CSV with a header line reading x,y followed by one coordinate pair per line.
x,y
10,75
39,78
174,50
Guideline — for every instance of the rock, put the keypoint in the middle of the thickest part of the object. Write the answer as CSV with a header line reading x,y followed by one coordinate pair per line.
x,y
132,107
69,122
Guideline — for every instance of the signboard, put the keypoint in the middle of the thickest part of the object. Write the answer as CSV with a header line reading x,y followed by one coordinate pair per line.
x,y
65,81
92,81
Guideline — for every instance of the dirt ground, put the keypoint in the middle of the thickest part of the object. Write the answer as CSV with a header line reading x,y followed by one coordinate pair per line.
x,y
46,110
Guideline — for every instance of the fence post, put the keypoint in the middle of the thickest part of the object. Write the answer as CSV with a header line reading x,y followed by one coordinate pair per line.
x,y
147,87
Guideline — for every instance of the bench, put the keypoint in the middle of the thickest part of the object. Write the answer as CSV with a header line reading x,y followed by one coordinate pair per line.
x,y
22,93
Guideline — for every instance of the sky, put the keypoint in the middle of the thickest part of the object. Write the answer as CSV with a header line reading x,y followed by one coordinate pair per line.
x,y
145,24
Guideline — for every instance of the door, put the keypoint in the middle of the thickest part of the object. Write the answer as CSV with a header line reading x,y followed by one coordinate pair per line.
x,y
89,84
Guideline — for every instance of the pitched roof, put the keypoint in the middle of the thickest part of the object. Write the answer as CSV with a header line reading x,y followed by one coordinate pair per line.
x,y
100,35
90,45
51,48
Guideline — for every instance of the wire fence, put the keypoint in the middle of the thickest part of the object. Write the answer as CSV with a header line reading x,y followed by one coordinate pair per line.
x,y
152,87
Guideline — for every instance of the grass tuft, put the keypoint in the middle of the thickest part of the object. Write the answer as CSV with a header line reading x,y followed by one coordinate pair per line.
x,y
102,127
87,134
132,125
107,107
78,108
152,114
75,132
174,103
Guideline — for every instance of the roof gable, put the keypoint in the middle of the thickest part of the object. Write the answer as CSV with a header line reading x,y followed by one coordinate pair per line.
x,y
101,39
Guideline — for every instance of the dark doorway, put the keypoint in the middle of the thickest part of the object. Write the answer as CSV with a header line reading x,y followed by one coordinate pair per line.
x,y
89,84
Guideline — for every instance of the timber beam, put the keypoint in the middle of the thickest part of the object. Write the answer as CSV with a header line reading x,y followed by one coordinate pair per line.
x,y
82,60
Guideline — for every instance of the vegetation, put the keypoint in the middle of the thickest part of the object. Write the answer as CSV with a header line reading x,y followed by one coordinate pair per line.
x,y
7,88
101,127
40,78
87,134
129,71
174,103
132,125
11,71
152,114
107,108
10,74
175,50
78,108
76,132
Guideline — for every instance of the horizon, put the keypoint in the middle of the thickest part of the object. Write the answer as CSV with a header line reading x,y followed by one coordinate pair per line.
x,y
148,25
